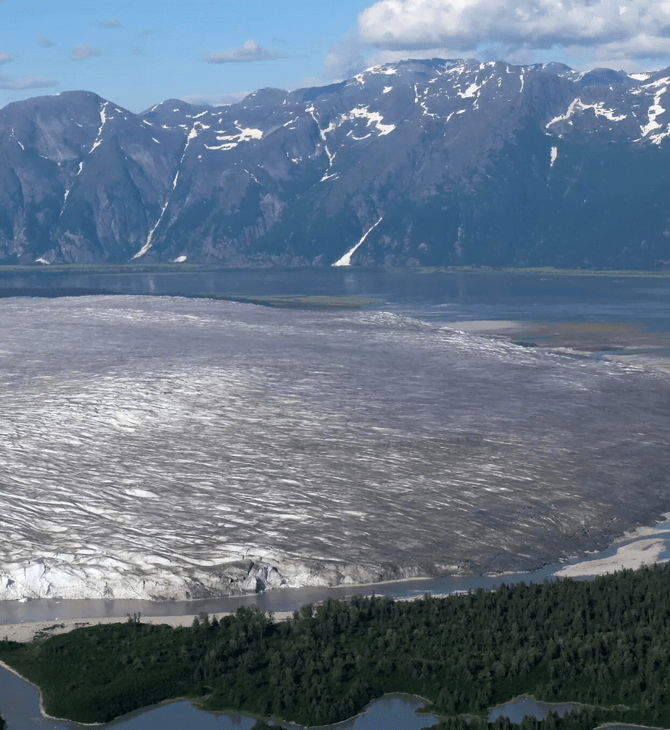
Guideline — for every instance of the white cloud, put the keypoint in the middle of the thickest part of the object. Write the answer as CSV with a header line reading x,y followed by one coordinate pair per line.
x,y
25,82
108,23
5,57
344,59
80,53
308,82
641,46
248,51
612,29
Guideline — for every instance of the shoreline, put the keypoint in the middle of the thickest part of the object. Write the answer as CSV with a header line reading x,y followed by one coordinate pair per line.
x,y
643,547
170,267
636,547
40,704
26,631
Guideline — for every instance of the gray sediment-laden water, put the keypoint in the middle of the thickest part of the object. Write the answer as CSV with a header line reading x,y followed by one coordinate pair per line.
x,y
174,448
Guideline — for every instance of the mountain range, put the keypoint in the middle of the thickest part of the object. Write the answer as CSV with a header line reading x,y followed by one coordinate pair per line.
x,y
417,163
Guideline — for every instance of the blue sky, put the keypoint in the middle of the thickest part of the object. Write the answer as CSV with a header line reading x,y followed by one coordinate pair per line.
x,y
140,52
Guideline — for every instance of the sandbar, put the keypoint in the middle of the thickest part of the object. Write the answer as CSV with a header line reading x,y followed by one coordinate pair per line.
x,y
27,630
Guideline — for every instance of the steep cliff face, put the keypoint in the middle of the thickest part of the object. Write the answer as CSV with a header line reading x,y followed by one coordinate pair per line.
x,y
426,162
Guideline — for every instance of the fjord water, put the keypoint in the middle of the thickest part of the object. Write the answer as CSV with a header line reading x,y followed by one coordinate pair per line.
x,y
630,302
19,702
461,295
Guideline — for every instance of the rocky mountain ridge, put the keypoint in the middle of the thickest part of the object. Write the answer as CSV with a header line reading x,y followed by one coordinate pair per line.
x,y
435,162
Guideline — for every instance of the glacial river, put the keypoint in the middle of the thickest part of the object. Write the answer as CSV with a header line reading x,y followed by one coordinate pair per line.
x,y
19,699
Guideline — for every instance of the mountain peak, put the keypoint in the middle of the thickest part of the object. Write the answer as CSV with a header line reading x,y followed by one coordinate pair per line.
x,y
417,162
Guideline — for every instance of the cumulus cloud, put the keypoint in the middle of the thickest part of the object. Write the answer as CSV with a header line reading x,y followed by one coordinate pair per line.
x,y
25,82
248,51
5,57
108,23
642,46
80,53
626,28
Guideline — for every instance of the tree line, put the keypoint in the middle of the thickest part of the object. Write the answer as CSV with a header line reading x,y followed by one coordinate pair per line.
x,y
604,643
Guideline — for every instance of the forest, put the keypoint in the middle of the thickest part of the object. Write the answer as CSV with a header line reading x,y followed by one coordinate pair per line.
x,y
604,644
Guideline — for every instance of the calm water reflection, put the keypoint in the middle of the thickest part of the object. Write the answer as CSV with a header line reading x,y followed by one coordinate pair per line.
x,y
527,707
19,705
462,295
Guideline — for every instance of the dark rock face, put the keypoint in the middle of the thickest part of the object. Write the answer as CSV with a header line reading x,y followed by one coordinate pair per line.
x,y
452,162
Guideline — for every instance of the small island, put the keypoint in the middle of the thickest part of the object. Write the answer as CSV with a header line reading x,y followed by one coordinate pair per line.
x,y
601,645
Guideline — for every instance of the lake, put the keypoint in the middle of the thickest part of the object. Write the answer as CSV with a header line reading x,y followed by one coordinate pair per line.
x,y
19,702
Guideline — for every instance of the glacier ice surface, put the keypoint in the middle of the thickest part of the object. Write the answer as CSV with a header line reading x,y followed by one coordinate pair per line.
x,y
170,448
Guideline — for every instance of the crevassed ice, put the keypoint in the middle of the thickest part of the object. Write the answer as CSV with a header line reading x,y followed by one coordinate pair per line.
x,y
165,447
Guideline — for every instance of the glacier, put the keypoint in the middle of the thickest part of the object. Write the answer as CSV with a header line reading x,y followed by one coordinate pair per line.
x,y
162,447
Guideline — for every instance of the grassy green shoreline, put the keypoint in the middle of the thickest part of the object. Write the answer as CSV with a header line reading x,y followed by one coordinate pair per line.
x,y
172,268
604,644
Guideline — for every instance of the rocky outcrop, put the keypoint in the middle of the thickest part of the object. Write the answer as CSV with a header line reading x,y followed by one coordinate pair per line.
x,y
458,162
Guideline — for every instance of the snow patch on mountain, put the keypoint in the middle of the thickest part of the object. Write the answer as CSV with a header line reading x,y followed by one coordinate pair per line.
x,y
346,259
361,112
103,121
655,110
577,105
471,91
230,141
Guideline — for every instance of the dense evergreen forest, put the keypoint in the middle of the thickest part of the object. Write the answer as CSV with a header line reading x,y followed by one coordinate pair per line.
x,y
603,643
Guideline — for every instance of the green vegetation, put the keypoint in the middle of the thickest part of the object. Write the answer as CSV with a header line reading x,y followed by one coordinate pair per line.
x,y
604,644
299,301
172,269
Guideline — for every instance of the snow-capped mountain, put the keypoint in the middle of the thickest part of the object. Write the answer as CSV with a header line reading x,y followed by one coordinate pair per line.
x,y
414,163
